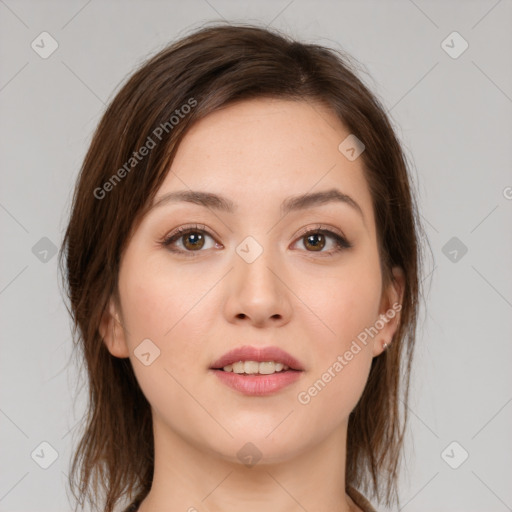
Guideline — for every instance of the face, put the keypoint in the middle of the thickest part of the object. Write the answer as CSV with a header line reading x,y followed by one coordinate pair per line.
x,y
305,279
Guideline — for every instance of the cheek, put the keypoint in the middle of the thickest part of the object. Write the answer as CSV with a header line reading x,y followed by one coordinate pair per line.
x,y
159,307
353,308
343,356
155,307
157,300
328,398
347,306
346,303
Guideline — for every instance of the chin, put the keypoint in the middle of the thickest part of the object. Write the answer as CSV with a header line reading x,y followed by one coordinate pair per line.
x,y
255,448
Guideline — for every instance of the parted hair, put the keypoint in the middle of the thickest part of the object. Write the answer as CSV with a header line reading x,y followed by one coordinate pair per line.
x,y
210,68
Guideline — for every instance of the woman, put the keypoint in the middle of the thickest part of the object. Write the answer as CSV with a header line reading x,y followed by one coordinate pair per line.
x,y
242,267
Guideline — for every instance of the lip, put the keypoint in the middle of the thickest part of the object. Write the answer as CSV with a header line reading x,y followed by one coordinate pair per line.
x,y
258,385
248,353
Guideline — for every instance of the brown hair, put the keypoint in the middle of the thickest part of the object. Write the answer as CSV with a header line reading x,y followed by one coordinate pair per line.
x,y
207,70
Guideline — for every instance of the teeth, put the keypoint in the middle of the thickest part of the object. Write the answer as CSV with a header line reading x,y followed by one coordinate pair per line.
x,y
253,367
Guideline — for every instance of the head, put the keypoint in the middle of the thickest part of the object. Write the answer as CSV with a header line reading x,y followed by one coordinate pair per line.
x,y
260,120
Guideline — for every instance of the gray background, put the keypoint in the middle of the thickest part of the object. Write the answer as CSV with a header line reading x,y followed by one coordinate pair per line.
x,y
453,116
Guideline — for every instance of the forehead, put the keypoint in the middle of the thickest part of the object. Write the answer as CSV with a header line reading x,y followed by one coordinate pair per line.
x,y
261,151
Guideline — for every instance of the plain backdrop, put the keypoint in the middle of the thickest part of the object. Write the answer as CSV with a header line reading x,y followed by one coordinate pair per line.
x,y
449,97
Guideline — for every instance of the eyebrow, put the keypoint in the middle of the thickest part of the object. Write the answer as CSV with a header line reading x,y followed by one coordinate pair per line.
x,y
293,203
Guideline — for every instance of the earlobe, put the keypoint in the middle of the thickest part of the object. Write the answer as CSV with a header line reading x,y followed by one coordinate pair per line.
x,y
391,306
113,333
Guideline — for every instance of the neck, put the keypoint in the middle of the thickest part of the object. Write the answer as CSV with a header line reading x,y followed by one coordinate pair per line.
x,y
191,477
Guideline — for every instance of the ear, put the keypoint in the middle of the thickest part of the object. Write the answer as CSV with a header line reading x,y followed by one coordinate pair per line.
x,y
113,332
389,312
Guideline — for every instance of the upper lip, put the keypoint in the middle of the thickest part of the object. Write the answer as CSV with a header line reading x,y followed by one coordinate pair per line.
x,y
248,353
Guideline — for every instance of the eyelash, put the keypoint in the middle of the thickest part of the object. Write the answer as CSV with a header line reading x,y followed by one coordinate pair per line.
x,y
340,241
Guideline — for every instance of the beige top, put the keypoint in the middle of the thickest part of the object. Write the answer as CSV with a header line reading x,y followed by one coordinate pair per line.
x,y
360,500
356,496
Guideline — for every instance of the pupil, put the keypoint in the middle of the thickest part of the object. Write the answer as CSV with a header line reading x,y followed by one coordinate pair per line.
x,y
195,237
311,240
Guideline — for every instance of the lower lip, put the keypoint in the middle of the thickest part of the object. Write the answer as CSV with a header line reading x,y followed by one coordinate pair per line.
x,y
258,385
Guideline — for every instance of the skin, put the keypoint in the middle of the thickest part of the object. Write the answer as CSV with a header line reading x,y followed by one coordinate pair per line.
x,y
196,308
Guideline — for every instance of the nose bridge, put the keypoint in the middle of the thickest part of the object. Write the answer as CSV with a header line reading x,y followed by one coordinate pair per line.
x,y
252,263
257,290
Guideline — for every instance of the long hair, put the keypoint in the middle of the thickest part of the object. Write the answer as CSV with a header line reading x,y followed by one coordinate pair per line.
x,y
205,71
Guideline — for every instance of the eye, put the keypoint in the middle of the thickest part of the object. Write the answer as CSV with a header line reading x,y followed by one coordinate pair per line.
x,y
192,238
316,240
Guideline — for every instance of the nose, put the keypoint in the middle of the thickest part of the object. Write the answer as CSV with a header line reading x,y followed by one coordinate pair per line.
x,y
257,293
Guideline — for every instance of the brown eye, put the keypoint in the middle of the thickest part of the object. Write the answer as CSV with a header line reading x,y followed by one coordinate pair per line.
x,y
316,241
193,240
189,240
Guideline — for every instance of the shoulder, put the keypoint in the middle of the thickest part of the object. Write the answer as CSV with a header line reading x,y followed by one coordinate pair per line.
x,y
354,494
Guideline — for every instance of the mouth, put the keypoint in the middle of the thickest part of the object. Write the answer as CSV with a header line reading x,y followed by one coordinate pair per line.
x,y
257,371
249,360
